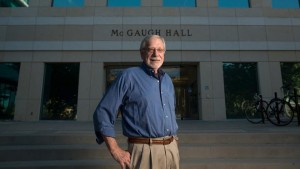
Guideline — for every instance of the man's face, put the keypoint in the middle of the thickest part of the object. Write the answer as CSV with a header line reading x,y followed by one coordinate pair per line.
x,y
154,54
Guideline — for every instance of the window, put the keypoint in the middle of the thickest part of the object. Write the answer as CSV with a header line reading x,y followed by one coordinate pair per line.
x,y
179,3
290,72
68,3
124,3
241,84
234,3
285,3
9,78
14,3
60,91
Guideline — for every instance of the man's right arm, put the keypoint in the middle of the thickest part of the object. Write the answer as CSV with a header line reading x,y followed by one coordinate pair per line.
x,y
120,155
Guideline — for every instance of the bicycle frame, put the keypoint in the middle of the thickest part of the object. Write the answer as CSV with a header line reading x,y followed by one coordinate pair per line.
x,y
256,112
294,102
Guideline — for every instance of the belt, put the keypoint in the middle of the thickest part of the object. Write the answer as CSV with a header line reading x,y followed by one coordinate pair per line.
x,y
162,141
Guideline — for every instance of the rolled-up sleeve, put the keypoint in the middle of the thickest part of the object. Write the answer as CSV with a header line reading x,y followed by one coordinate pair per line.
x,y
106,112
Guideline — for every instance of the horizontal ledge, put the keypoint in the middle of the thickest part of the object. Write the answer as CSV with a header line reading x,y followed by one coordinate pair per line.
x,y
134,45
148,20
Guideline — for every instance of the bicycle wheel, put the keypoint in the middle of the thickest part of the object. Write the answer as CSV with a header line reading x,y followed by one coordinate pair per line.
x,y
289,107
254,112
279,112
289,112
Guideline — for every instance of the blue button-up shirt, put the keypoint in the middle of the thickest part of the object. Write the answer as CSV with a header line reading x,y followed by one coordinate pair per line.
x,y
147,104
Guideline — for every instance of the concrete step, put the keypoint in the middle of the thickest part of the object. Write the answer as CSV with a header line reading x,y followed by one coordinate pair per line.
x,y
203,145
270,163
53,139
201,151
185,138
231,151
61,164
249,163
239,138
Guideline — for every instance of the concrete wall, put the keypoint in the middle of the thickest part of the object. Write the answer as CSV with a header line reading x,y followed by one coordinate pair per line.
x,y
206,35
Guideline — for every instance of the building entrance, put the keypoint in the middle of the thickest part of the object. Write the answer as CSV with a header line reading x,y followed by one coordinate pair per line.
x,y
185,82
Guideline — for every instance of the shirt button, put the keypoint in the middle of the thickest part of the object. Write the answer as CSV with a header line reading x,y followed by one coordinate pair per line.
x,y
167,116
168,129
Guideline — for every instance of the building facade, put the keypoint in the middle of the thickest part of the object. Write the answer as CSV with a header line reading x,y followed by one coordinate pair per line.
x,y
57,61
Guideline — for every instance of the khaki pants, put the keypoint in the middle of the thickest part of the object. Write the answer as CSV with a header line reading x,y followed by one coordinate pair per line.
x,y
145,156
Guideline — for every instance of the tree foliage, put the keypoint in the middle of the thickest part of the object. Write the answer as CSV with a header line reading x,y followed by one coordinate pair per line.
x,y
240,82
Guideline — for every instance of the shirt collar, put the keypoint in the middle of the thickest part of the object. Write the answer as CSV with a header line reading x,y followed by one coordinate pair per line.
x,y
150,71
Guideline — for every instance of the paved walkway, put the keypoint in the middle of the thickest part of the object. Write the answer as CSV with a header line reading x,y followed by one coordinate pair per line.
x,y
42,127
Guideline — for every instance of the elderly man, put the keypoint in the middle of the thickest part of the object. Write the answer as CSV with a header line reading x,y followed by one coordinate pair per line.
x,y
145,97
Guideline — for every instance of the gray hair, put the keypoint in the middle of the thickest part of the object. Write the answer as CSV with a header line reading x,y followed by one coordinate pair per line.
x,y
145,41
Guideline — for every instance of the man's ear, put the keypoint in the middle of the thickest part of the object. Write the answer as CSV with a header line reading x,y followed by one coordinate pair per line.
x,y
142,57
142,54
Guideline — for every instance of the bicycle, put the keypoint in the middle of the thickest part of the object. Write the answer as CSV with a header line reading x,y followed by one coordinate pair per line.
x,y
291,96
256,112
279,111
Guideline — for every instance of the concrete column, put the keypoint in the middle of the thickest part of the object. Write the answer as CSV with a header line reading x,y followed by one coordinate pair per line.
x,y
212,91
264,79
267,3
29,93
212,4
202,3
207,107
151,3
270,79
83,108
275,78
218,91
259,3
98,83
91,89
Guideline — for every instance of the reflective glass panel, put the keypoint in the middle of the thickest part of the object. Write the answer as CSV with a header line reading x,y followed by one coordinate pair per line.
x,y
185,83
60,91
179,3
290,72
124,3
9,76
14,3
241,84
234,4
68,3
285,3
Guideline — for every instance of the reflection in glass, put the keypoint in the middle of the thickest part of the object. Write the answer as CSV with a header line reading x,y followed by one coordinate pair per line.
x,y
185,82
14,3
179,3
285,3
123,3
8,88
60,91
184,78
241,84
234,3
290,72
68,3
